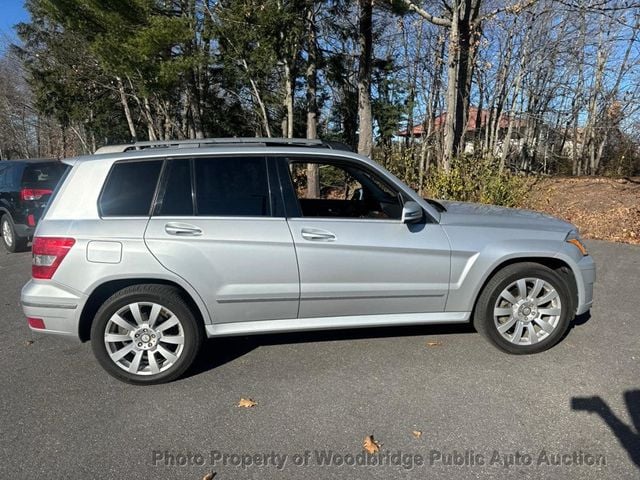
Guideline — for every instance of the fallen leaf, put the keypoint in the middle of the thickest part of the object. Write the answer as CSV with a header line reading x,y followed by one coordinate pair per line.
x,y
209,476
246,403
417,433
434,344
370,445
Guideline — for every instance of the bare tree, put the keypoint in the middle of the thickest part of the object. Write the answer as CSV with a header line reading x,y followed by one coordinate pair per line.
x,y
365,41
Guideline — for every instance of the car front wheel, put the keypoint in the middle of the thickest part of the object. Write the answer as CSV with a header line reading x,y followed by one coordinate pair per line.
x,y
524,308
146,334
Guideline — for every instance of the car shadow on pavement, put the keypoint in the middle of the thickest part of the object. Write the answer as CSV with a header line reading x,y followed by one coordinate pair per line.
x,y
578,321
218,351
627,435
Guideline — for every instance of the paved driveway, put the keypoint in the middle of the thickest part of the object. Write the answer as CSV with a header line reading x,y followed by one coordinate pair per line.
x,y
482,413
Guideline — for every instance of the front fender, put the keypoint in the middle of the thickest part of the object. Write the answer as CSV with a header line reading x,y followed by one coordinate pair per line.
x,y
470,270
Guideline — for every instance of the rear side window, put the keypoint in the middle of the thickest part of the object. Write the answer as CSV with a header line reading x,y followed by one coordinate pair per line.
x,y
129,189
8,176
232,186
43,175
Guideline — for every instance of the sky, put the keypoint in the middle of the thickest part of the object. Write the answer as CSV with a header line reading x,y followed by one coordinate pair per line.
x,y
11,12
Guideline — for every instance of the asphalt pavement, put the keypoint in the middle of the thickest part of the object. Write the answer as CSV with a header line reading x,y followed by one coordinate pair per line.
x,y
441,401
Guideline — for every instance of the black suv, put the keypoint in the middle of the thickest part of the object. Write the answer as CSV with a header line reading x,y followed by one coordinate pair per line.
x,y
25,188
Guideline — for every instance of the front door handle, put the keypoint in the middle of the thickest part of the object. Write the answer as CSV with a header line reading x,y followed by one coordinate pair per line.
x,y
182,229
317,235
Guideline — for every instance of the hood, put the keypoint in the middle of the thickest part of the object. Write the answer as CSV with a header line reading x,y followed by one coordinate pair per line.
x,y
477,214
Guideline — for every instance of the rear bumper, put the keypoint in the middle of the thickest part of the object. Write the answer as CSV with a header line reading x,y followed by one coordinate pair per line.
x,y
24,231
588,273
58,306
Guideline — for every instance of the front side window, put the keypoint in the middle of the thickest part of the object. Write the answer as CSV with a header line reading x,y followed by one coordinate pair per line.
x,y
232,186
129,189
343,191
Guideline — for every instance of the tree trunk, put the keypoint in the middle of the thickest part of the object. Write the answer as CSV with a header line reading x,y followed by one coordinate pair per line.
x,y
127,110
365,41
313,173
289,83
149,117
506,144
452,92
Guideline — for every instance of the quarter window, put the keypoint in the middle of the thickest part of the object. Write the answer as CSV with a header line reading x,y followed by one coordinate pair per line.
x,y
129,189
177,199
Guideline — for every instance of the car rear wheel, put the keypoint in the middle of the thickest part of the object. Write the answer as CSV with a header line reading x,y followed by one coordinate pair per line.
x,y
10,240
146,334
524,308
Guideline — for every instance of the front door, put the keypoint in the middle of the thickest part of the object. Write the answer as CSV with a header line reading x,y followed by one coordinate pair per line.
x,y
355,256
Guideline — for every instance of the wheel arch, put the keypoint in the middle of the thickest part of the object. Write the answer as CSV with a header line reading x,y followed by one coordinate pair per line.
x,y
105,290
558,265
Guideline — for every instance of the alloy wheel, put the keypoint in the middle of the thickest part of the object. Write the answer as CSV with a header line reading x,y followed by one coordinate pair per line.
x,y
527,311
7,234
144,338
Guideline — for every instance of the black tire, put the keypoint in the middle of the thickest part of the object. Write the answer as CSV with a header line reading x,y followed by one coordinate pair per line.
x,y
169,298
483,319
17,244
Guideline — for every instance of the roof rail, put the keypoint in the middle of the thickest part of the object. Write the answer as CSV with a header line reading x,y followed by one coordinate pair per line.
x,y
212,142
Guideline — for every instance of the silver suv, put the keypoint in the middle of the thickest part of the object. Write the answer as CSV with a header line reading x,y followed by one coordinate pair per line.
x,y
147,249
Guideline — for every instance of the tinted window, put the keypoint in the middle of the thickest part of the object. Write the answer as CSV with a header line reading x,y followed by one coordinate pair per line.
x,y
343,191
129,189
177,200
233,186
8,174
43,175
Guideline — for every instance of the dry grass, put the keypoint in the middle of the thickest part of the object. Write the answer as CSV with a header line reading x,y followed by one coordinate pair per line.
x,y
603,208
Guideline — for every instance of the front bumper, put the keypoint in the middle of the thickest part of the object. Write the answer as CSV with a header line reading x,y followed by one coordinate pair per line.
x,y
58,306
588,273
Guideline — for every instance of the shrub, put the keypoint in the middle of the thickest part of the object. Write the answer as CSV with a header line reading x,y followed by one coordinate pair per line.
x,y
477,180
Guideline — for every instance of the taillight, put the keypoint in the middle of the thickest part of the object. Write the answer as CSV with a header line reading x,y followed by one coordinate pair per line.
x,y
34,193
48,253
31,220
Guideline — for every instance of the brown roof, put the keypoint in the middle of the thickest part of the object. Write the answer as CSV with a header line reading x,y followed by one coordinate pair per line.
x,y
472,122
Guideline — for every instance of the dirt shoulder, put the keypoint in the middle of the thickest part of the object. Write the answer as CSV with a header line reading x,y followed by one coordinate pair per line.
x,y
603,208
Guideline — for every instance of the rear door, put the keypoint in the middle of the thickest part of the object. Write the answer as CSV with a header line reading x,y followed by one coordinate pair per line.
x,y
355,255
217,226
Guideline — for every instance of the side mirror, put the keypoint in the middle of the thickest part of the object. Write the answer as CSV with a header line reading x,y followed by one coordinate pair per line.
x,y
411,212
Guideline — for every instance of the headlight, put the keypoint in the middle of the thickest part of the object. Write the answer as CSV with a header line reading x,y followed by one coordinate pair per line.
x,y
574,238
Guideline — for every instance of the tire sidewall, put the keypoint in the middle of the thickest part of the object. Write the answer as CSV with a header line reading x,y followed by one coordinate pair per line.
x,y
7,219
191,328
488,302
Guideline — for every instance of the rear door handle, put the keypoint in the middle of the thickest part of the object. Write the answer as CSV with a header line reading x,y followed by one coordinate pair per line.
x,y
182,229
317,235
